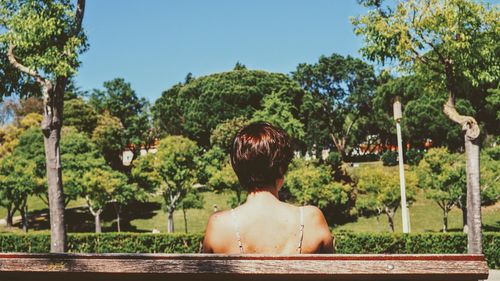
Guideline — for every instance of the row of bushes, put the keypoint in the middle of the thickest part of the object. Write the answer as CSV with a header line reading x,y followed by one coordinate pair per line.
x,y
346,243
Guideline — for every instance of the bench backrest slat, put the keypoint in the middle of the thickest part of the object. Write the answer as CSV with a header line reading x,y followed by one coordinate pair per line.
x,y
72,267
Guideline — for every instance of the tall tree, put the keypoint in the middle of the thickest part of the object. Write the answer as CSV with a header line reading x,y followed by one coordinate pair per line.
x,y
25,158
442,175
171,171
194,109
121,101
42,40
457,40
108,136
99,186
341,89
379,191
17,182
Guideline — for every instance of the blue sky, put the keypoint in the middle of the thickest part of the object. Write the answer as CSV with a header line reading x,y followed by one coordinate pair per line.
x,y
153,44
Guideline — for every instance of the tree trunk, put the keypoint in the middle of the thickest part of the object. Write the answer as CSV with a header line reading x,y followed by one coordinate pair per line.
x,y
97,217
390,218
464,217
118,209
185,220
474,240
96,214
170,223
24,216
51,126
340,145
10,215
472,131
445,220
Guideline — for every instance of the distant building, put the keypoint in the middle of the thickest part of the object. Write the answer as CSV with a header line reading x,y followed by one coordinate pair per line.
x,y
128,155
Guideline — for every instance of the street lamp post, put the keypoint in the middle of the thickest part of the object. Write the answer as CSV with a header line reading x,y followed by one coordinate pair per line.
x,y
404,207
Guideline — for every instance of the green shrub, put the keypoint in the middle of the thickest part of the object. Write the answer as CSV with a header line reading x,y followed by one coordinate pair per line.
x,y
421,243
413,156
346,243
334,160
493,152
363,158
389,158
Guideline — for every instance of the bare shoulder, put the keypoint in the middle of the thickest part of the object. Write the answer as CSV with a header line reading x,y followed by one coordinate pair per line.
x,y
315,221
215,233
314,215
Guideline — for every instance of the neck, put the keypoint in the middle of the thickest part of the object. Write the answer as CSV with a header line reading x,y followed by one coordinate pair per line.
x,y
262,195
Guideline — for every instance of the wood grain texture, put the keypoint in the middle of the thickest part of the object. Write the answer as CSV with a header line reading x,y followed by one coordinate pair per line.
x,y
22,266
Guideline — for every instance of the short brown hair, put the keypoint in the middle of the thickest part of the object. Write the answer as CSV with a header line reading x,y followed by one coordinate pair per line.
x,y
260,155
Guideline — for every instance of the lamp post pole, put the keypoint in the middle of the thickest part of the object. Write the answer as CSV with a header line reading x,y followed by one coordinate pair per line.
x,y
404,207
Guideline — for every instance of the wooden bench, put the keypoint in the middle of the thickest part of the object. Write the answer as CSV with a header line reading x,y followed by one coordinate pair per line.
x,y
145,267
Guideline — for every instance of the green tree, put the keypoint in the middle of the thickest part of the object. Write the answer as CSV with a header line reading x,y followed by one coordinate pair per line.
x,y
42,41
223,134
100,185
423,116
226,179
81,115
17,182
312,184
9,135
79,156
108,136
490,177
341,89
27,148
192,200
457,42
31,147
210,163
121,101
194,109
442,176
12,81
171,171
279,112
379,191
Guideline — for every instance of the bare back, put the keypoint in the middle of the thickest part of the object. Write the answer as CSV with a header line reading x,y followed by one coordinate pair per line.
x,y
270,227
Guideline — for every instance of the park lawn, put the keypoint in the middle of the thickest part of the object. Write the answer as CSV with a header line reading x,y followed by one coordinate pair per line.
x,y
425,216
36,204
196,219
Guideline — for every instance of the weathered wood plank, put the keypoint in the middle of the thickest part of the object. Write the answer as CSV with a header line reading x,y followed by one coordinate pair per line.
x,y
21,266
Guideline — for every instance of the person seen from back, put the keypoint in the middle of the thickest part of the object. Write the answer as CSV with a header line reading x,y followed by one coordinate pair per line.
x,y
260,156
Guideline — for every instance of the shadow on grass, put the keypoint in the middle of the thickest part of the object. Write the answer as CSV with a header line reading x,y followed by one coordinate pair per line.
x,y
493,228
79,219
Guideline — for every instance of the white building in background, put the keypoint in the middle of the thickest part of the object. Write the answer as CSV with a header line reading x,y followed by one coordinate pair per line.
x,y
128,155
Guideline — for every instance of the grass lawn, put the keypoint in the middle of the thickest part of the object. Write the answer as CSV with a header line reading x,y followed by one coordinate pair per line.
x,y
196,219
425,216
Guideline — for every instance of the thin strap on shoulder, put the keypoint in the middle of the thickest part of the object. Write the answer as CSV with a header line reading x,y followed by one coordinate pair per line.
x,y
301,233
237,229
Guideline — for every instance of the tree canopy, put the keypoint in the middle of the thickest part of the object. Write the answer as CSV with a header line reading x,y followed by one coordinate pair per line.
x,y
341,89
194,109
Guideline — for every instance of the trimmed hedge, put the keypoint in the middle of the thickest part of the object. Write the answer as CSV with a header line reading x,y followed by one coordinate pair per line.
x,y
346,243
